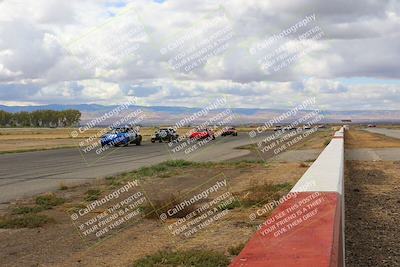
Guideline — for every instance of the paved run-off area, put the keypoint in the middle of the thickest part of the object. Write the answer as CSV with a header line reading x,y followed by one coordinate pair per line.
x,y
395,133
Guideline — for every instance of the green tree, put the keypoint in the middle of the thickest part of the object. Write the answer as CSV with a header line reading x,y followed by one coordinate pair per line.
x,y
41,118
5,118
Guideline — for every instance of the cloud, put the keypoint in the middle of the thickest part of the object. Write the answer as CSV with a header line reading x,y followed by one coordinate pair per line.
x,y
88,51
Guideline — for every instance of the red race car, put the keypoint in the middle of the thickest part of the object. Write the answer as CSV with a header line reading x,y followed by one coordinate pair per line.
x,y
202,134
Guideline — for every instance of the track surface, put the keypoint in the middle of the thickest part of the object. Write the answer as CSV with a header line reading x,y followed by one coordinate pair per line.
x,y
373,154
388,132
30,173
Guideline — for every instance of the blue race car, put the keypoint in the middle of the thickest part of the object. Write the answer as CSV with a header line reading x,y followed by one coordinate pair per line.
x,y
121,136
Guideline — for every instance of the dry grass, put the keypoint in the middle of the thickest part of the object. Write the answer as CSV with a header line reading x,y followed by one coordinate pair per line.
x,y
29,216
372,203
30,220
363,139
32,139
249,129
42,133
192,258
60,244
372,206
319,139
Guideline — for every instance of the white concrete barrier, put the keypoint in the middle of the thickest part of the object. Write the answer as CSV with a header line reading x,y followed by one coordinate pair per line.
x,y
326,173
308,228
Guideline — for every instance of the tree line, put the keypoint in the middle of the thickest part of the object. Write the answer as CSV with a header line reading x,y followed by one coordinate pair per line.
x,y
40,118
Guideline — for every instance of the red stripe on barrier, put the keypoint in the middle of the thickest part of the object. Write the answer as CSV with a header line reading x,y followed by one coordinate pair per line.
x,y
303,231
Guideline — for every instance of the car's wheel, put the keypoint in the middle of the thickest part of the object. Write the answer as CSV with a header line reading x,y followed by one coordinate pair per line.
x,y
138,141
153,140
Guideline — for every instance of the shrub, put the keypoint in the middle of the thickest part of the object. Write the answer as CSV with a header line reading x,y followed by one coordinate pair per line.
x,y
63,186
260,194
190,258
163,205
25,210
48,201
25,221
235,250
92,194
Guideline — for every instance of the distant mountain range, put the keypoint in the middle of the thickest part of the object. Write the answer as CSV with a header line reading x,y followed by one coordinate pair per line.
x,y
155,115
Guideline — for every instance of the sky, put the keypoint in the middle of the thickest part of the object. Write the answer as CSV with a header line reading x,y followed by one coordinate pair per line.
x,y
257,54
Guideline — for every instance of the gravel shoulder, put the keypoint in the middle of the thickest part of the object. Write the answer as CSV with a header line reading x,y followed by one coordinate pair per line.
x,y
372,196
372,200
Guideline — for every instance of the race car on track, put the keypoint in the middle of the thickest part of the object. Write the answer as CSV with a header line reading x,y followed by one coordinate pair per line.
x,y
165,134
202,134
229,131
121,136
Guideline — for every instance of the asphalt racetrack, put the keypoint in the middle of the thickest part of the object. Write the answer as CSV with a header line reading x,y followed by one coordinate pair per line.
x,y
388,132
30,173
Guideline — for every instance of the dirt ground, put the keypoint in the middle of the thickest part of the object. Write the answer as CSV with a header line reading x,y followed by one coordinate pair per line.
x,y
372,194
59,244
356,138
372,202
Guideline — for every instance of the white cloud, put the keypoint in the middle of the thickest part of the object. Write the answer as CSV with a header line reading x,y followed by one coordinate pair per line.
x,y
361,39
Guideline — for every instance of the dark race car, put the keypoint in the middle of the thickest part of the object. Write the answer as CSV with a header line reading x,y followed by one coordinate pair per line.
x,y
121,136
229,131
165,134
